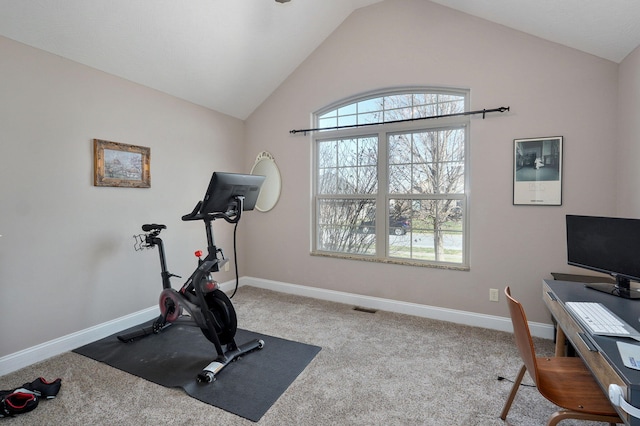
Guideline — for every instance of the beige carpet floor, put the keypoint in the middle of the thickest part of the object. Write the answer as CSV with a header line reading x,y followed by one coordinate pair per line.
x,y
374,369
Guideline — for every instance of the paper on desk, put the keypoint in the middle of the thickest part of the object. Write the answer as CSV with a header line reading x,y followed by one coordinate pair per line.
x,y
630,354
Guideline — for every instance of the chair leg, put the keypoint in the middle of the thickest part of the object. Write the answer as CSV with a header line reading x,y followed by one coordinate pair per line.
x,y
512,394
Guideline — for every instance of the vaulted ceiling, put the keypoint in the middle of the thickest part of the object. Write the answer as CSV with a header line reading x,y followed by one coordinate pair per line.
x,y
230,55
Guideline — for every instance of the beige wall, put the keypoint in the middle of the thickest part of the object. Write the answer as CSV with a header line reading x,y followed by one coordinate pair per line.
x,y
628,148
552,90
66,253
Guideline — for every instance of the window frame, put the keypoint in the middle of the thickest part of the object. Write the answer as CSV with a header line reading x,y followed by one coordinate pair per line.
x,y
383,131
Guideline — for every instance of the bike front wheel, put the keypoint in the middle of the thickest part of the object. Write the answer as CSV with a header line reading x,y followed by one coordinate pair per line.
x,y
224,316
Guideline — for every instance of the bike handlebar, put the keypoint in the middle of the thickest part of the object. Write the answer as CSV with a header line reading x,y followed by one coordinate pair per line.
x,y
194,214
233,217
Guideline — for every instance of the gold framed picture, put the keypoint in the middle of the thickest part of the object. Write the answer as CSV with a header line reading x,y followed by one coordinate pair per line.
x,y
119,164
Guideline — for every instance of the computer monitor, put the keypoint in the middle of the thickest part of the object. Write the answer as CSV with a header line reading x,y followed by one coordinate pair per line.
x,y
608,245
225,187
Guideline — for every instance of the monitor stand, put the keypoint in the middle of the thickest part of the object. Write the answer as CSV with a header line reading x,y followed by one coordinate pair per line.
x,y
616,290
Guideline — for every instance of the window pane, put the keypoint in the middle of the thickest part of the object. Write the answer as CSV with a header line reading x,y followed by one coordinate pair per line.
x,y
423,98
347,120
348,109
367,180
398,114
347,152
452,178
442,97
436,233
327,122
400,149
327,181
400,179
347,180
397,101
427,162
453,145
370,105
348,166
370,118
368,151
424,178
423,147
333,113
436,105
327,156
346,226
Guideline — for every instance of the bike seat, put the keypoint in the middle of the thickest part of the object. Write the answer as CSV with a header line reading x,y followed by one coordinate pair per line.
x,y
153,227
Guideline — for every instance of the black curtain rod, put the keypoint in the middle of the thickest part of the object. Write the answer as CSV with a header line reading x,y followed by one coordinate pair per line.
x,y
481,111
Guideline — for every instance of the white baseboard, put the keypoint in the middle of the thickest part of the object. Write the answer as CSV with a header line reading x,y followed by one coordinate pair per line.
x,y
41,352
433,312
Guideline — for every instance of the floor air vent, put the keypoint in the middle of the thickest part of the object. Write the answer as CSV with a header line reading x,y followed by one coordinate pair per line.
x,y
366,310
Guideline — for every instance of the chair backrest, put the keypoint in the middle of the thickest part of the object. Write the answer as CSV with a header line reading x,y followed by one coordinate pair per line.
x,y
522,335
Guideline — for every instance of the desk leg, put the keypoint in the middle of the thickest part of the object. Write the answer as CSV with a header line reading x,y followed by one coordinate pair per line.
x,y
560,342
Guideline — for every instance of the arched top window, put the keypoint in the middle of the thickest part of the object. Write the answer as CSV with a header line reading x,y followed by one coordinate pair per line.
x,y
409,171
391,107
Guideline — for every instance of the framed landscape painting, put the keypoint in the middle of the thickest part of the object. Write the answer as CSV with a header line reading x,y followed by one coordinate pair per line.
x,y
119,164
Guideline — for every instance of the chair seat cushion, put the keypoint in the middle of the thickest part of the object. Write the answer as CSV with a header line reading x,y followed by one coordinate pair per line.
x,y
568,383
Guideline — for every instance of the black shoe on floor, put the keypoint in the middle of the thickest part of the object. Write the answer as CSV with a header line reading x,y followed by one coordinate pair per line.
x,y
17,403
41,388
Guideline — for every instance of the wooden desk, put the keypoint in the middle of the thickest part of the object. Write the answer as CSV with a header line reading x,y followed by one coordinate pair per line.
x,y
603,358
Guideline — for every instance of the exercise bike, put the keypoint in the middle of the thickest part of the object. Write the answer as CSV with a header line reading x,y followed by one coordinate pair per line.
x,y
208,307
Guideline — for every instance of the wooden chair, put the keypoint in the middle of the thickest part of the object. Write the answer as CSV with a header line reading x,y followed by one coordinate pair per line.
x,y
565,381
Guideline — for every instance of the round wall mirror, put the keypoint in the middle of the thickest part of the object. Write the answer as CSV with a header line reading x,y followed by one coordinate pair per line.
x,y
265,165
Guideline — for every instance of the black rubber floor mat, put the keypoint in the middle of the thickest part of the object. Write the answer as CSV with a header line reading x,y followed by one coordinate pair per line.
x,y
173,358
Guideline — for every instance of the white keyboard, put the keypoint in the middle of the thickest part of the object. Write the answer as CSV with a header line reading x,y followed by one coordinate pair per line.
x,y
600,320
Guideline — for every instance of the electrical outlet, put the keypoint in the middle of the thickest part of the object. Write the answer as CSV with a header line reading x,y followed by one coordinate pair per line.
x,y
493,294
226,266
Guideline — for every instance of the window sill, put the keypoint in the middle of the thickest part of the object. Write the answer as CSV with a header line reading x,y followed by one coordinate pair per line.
x,y
404,262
